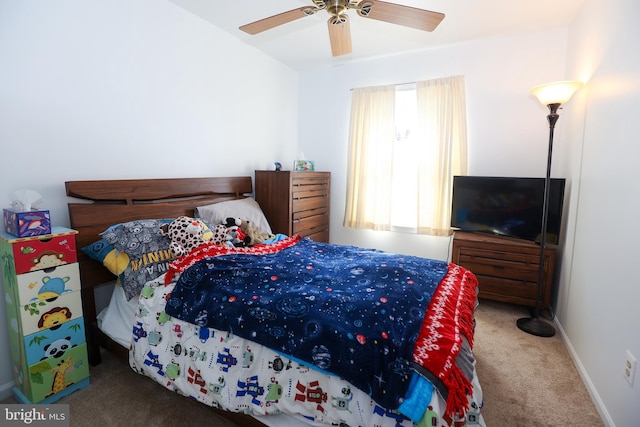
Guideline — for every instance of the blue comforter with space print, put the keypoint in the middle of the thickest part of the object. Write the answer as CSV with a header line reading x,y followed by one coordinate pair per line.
x,y
349,311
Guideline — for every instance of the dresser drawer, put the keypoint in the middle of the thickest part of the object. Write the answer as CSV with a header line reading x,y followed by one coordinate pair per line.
x,y
319,236
54,343
488,256
39,315
308,180
56,375
47,285
39,252
308,204
513,274
308,192
313,190
501,268
504,289
307,225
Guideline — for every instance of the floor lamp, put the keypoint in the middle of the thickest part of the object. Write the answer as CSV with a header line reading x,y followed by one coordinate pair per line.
x,y
552,95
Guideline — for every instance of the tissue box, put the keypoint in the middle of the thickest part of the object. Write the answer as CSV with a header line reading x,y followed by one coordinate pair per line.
x,y
26,224
304,165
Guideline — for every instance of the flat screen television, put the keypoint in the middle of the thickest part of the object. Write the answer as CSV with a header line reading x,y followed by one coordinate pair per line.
x,y
509,206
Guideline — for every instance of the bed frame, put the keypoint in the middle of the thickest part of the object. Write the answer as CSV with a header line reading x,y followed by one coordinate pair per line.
x,y
109,202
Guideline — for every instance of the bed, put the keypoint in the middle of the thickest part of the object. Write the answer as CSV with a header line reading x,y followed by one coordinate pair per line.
x,y
269,334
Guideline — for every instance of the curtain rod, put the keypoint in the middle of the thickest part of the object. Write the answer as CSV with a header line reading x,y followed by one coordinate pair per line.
x,y
392,84
411,83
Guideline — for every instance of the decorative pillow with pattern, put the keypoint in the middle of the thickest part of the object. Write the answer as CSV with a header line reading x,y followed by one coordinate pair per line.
x,y
147,249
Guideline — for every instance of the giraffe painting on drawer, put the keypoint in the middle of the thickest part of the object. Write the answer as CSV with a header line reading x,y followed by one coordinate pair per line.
x,y
59,380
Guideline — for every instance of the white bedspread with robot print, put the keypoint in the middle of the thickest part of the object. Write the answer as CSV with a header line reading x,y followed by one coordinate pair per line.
x,y
228,372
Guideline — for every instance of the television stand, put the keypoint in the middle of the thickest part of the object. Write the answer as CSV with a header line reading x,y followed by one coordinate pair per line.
x,y
506,267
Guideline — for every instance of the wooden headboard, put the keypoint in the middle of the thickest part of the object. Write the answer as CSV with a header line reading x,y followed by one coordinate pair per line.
x,y
109,202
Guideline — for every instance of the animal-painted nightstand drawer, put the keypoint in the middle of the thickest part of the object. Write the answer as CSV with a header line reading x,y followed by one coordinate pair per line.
x,y
54,342
40,315
40,252
54,378
49,284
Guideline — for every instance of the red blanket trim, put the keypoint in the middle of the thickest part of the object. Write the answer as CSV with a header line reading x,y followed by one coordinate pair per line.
x,y
449,317
208,250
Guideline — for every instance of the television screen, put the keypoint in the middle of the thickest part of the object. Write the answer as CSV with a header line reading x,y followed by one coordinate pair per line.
x,y
509,206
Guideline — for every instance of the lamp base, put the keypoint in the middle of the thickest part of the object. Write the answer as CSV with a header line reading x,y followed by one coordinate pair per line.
x,y
535,326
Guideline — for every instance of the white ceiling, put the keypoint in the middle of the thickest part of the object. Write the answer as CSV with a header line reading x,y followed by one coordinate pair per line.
x,y
304,43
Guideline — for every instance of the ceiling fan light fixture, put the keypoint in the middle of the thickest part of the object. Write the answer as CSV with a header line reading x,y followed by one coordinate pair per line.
x,y
339,35
365,9
337,7
338,20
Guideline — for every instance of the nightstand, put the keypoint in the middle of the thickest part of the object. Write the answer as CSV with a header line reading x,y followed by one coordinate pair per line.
x,y
44,315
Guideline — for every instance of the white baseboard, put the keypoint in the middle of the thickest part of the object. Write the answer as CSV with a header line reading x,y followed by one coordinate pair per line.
x,y
602,410
6,390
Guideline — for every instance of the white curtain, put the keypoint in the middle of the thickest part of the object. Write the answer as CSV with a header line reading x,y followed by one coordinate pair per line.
x,y
441,154
371,136
443,128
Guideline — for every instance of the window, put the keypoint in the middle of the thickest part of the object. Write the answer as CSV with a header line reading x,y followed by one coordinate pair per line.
x,y
406,143
404,176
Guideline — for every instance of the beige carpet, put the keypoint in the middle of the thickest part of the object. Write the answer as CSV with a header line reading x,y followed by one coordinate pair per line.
x,y
527,381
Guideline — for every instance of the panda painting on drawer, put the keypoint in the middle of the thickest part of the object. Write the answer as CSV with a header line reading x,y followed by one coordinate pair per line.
x,y
54,342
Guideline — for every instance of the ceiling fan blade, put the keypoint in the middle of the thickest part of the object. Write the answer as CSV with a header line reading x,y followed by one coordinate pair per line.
x,y
407,16
276,20
339,34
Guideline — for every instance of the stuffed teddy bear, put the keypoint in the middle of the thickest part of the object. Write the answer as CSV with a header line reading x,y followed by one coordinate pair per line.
x,y
254,236
188,233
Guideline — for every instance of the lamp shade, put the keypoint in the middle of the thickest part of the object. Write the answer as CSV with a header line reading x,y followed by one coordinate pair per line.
x,y
556,92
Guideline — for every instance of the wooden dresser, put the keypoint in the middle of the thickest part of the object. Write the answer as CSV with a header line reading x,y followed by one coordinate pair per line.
x,y
295,202
506,268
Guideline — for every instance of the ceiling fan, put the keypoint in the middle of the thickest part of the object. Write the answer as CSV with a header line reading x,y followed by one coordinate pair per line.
x,y
339,30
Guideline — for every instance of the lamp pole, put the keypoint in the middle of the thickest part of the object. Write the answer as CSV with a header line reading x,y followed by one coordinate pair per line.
x,y
552,95
533,325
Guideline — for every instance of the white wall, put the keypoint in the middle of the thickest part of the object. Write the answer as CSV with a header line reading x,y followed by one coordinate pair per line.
x,y
599,293
507,128
120,89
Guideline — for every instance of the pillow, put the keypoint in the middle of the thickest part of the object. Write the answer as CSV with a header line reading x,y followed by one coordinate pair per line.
x,y
135,251
104,252
246,208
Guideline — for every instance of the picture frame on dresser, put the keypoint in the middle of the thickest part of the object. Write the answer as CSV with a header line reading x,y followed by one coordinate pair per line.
x,y
44,311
